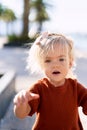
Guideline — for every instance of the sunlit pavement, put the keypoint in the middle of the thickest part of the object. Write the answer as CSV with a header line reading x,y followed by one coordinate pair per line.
x,y
15,59
10,122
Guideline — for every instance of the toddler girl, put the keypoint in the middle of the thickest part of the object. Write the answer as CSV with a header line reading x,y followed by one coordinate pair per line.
x,y
56,97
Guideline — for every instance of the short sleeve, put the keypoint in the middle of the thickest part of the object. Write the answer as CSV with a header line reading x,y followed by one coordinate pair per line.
x,y
34,104
82,97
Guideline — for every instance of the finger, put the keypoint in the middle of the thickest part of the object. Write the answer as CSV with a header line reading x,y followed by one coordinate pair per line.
x,y
16,100
34,96
20,98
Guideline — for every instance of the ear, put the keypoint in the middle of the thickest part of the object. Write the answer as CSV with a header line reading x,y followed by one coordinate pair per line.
x,y
71,63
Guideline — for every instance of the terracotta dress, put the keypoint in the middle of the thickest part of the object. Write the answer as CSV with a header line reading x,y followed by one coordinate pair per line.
x,y
57,107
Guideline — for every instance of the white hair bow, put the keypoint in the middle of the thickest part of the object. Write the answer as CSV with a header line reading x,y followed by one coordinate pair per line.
x,y
43,36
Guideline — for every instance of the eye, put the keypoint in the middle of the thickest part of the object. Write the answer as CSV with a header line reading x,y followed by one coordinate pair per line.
x,y
62,59
47,61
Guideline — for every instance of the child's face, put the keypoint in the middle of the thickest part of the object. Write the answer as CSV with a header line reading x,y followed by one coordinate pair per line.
x,y
57,64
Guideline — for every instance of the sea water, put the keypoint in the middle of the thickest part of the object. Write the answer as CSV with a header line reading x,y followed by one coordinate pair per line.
x,y
80,41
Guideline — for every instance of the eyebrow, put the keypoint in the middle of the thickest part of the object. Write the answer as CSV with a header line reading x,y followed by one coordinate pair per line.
x,y
58,56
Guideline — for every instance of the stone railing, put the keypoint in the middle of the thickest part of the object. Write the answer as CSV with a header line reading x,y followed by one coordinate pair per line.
x,y
7,90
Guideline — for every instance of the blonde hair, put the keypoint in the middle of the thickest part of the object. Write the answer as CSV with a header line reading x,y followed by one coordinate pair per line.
x,y
42,45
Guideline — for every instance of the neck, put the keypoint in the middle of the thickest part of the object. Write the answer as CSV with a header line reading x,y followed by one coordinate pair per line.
x,y
57,83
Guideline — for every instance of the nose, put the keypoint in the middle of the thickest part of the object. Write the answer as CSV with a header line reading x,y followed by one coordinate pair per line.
x,y
56,63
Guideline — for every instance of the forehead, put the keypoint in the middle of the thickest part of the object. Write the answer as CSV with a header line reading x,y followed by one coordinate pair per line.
x,y
57,49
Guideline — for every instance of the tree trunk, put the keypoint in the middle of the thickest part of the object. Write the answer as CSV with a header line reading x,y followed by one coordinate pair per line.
x,y
25,18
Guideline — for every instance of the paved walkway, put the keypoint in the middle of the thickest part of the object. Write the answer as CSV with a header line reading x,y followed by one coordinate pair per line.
x,y
15,59
10,122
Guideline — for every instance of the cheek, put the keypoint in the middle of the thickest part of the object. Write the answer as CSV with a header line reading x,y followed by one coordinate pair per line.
x,y
46,65
69,62
47,69
66,66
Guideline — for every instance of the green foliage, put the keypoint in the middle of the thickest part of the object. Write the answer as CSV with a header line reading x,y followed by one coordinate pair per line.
x,y
6,14
1,10
41,16
19,41
41,12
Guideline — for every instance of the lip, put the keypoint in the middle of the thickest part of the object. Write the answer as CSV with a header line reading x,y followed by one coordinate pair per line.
x,y
55,72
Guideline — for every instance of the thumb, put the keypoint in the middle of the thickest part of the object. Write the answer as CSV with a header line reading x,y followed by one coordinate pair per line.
x,y
34,96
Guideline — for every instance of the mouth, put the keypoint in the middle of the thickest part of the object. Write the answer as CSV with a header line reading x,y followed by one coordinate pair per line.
x,y
56,72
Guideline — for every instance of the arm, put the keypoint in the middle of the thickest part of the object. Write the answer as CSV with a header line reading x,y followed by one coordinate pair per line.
x,y
82,97
21,105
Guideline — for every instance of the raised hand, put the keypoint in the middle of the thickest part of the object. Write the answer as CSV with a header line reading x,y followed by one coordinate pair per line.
x,y
21,106
24,97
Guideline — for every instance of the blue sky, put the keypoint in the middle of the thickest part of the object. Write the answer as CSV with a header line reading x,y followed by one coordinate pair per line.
x,y
66,15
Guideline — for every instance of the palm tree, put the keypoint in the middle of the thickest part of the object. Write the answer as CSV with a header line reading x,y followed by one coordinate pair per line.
x,y
8,16
1,10
25,19
41,13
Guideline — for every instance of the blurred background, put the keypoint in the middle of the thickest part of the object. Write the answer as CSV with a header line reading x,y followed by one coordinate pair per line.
x,y
20,23
21,20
